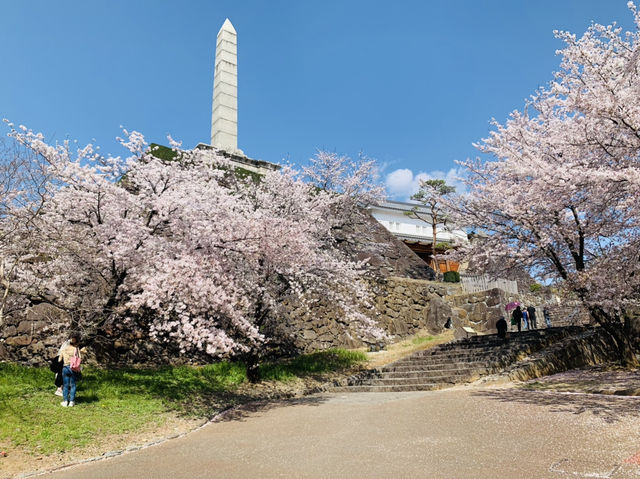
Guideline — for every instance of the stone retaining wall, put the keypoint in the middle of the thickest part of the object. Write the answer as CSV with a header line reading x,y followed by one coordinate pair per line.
x,y
480,310
402,307
32,338
591,347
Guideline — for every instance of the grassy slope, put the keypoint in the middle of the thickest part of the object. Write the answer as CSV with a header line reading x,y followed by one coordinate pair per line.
x,y
117,402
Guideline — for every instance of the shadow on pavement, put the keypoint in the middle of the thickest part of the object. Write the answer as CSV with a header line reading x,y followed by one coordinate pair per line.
x,y
593,379
610,408
241,412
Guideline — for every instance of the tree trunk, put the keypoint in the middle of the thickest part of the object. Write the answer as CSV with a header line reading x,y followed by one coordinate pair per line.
x,y
253,368
619,335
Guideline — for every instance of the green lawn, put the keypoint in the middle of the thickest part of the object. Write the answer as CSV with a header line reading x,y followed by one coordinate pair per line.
x,y
118,401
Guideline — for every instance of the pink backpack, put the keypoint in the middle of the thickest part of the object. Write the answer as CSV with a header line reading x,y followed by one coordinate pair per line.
x,y
76,360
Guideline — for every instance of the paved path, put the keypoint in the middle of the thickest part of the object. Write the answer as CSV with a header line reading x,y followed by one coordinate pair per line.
x,y
455,433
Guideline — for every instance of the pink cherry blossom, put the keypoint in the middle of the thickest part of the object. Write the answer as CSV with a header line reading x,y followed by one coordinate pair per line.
x,y
205,258
560,195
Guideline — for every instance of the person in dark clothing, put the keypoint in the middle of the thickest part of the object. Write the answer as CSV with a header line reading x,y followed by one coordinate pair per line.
x,y
501,326
532,317
56,367
547,316
517,317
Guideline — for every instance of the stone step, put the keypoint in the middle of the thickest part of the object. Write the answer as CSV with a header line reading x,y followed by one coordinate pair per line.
x,y
448,365
514,337
421,380
459,358
433,373
489,342
452,352
389,388
479,346
455,363
483,350
451,366
459,352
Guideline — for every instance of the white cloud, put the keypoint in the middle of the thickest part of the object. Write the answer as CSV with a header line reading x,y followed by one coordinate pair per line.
x,y
402,183
399,181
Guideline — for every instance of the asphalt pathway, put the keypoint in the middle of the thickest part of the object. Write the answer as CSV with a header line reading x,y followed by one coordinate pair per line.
x,y
456,433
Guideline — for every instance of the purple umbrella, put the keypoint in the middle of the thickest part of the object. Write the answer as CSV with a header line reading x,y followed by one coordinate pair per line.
x,y
512,305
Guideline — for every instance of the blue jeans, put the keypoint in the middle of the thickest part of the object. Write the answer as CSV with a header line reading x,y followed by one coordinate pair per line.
x,y
69,379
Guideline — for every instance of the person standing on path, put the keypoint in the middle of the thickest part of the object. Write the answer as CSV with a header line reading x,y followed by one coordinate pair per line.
x,y
69,376
501,326
517,317
533,323
547,316
525,318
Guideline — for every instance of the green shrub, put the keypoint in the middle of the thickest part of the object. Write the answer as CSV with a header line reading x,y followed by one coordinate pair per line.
x,y
535,287
163,152
319,362
451,277
442,246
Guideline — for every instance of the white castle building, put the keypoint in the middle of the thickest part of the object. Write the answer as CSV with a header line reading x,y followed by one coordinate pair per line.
x,y
417,234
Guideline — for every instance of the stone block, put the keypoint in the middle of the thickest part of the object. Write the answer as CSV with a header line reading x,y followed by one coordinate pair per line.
x,y
479,312
9,331
460,312
29,327
493,299
53,340
398,327
464,332
438,313
18,341
309,334
25,327
36,348
327,336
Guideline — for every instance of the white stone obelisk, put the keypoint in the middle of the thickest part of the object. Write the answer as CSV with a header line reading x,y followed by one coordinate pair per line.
x,y
224,114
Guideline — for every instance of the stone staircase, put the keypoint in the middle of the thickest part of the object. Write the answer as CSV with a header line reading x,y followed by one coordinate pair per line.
x,y
456,362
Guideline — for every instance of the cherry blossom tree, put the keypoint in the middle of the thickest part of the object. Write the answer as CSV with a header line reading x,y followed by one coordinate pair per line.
x,y
204,257
24,189
355,183
560,195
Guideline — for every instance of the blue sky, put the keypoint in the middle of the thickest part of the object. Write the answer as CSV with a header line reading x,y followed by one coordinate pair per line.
x,y
410,83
